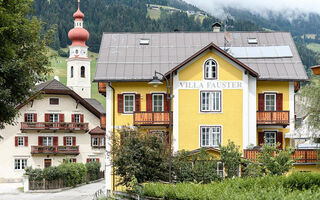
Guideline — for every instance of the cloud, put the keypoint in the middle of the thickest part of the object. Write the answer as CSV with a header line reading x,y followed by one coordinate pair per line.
x,y
287,7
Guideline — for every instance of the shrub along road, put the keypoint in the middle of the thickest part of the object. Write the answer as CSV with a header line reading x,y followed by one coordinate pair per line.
x,y
84,192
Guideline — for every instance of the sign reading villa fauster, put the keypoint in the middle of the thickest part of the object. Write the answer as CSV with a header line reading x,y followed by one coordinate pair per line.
x,y
209,85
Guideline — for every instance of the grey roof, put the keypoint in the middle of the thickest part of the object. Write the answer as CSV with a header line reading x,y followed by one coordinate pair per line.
x,y
121,56
51,85
96,104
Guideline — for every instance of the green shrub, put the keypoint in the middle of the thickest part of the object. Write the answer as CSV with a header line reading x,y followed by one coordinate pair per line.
x,y
34,174
70,174
82,170
230,156
62,53
93,170
51,173
302,180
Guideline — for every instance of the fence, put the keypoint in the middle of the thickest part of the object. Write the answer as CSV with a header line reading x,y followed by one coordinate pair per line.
x,y
56,184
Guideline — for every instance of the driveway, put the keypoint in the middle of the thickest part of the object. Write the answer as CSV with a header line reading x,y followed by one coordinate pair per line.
x,y
84,192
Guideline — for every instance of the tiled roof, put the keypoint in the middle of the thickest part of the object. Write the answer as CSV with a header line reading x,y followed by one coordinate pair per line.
x,y
98,131
122,58
97,105
51,85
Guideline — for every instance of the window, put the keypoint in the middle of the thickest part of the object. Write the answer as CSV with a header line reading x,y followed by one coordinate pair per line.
x,y
97,141
157,102
71,72
30,117
128,102
270,102
220,169
47,163
102,142
20,141
83,70
270,138
77,51
68,141
20,163
47,141
76,118
92,160
210,69
54,118
210,101
210,136
54,101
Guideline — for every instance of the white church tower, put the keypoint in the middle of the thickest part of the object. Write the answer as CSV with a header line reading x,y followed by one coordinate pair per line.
x,y
78,63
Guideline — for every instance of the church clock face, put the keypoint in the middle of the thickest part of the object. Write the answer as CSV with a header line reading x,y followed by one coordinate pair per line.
x,y
83,52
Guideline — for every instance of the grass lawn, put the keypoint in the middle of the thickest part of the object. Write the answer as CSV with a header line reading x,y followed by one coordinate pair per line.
x,y
59,68
314,47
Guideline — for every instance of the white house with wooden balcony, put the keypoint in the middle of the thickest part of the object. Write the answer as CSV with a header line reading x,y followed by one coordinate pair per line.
x,y
54,124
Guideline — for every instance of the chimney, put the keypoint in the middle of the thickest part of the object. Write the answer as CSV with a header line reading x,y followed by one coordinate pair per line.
x,y
216,27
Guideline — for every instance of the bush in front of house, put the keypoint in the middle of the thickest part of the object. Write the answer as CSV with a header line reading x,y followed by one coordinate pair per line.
x,y
72,173
51,173
93,170
34,174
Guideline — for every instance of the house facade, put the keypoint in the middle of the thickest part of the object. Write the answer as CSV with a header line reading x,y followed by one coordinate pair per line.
x,y
236,86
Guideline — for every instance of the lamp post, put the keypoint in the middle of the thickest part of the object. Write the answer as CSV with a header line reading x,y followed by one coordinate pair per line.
x,y
155,82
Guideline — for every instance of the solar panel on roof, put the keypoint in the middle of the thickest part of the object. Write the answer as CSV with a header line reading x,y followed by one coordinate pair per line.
x,y
261,52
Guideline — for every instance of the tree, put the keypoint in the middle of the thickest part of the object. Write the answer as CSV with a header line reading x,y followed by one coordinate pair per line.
x,y
23,60
140,155
230,157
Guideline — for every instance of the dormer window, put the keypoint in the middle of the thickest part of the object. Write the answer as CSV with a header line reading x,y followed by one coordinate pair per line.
x,y
210,69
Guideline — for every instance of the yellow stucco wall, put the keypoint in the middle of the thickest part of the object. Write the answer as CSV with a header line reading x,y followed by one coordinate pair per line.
x,y
306,168
190,117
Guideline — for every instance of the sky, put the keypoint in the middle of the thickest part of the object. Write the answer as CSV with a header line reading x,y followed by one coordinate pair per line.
x,y
259,6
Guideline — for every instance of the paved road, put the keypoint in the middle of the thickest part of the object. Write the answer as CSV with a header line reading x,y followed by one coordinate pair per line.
x,y
84,192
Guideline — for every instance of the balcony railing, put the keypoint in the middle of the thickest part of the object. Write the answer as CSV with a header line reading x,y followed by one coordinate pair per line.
x,y
151,118
54,126
299,155
273,117
70,150
102,87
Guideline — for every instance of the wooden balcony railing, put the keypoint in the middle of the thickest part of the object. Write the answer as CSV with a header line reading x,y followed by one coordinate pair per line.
x,y
70,150
151,118
299,155
54,126
273,117
102,87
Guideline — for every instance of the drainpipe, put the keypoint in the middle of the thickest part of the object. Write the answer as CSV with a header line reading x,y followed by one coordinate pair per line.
x,y
113,130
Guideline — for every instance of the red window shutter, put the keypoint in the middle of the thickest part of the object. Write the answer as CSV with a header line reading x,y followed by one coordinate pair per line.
x,y
40,140
46,117
55,141
261,102
64,141
81,118
279,139
74,141
35,118
149,102
61,117
260,138
72,118
120,103
26,141
166,103
137,103
97,160
88,160
279,102
16,141
25,117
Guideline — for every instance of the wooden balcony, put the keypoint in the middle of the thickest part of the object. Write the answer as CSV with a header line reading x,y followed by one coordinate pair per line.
x,y
66,150
299,155
151,118
54,126
102,87
273,118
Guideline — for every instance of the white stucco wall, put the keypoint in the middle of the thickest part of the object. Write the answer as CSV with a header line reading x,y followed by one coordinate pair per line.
x,y
67,106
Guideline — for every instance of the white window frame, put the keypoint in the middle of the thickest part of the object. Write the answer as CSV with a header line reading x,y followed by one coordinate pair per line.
x,y
55,117
162,102
124,103
49,142
69,141
265,101
20,141
93,159
219,171
267,139
76,118
207,69
20,163
208,140
30,117
209,105
95,140
102,142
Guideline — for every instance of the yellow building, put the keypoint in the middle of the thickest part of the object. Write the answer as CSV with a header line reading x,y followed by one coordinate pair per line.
x,y
239,88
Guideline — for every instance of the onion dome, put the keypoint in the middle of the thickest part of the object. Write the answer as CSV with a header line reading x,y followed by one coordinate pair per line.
x,y
78,15
78,36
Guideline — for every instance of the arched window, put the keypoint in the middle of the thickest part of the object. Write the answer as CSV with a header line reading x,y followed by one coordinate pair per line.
x,y
83,70
71,72
210,69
